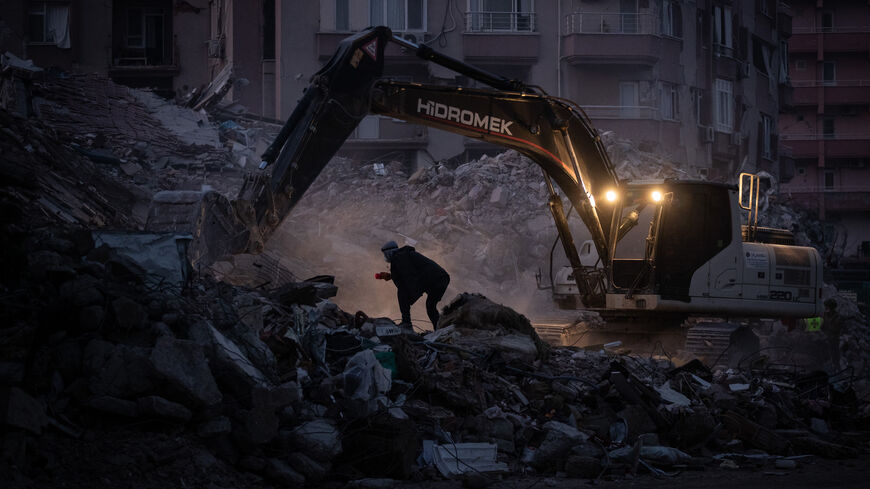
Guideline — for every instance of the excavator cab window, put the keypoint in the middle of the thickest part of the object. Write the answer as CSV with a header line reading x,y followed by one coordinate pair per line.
x,y
630,251
696,225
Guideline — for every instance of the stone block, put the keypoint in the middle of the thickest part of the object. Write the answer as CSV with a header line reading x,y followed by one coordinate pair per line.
x,y
183,365
163,408
113,405
129,314
280,472
19,409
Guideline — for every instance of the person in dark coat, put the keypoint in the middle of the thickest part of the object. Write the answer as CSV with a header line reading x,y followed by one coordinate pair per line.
x,y
414,275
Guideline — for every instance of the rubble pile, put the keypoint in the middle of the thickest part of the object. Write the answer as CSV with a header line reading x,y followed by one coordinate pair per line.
x,y
147,140
45,181
486,222
283,387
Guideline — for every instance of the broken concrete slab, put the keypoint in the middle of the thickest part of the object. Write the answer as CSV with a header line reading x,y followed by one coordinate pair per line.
x,y
280,472
219,425
320,439
126,372
113,405
162,255
129,314
19,409
234,369
183,365
163,408
313,471
557,443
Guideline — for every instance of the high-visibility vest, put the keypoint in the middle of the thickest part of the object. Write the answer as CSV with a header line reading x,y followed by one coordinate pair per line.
x,y
814,324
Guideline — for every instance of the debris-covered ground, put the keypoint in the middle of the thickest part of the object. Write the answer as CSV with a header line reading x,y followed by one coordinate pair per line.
x,y
121,368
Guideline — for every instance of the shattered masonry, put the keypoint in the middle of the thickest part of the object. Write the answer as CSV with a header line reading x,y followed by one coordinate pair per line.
x,y
115,371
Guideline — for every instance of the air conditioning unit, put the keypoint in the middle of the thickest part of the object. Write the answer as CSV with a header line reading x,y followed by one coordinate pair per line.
x,y
417,38
745,69
216,48
735,138
709,134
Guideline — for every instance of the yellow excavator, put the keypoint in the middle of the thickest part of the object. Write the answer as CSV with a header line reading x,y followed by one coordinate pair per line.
x,y
693,255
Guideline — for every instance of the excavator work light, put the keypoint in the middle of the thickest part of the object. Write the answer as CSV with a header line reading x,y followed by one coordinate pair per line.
x,y
656,196
610,196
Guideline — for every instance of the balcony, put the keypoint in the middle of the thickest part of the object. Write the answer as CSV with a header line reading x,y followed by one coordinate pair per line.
x,y
500,22
621,112
616,38
501,35
855,145
644,123
836,199
835,40
838,92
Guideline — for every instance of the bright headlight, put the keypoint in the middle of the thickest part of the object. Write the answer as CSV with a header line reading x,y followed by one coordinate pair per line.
x,y
610,196
656,196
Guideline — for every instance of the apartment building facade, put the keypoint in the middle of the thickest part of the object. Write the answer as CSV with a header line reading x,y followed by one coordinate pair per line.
x,y
700,81
160,44
828,131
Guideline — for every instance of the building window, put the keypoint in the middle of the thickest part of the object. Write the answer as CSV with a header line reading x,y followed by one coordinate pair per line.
x,y
829,73
724,105
146,39
342,15
800,65
501,15
399,15
801,170
765,8
670,102
722,31
767,136
672,19
828,128
829,179
48,24
698,100
828,22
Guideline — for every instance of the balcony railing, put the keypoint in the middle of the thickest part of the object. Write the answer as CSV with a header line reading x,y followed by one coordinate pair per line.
x,y
811,189
853,136
610,23
621,111
836,29
830,83
500,22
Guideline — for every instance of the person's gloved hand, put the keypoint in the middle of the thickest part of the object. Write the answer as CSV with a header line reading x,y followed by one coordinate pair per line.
x,y
383,276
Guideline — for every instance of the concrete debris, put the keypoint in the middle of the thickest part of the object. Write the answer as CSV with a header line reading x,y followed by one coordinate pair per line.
x,y
459,458
307,391
183,366
109,341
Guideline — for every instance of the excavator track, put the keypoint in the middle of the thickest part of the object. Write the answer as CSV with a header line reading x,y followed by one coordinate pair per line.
x,y
647,332
714,341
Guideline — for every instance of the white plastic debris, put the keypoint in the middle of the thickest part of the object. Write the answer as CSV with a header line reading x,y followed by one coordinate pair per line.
x,y
675,398
459,458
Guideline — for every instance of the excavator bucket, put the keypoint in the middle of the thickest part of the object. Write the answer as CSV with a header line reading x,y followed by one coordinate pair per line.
x,y
331,107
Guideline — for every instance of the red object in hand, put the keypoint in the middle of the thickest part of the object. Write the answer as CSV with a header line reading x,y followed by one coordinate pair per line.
x,y
383,276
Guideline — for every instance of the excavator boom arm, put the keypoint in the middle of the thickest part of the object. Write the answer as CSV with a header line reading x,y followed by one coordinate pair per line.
x,y
552,132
